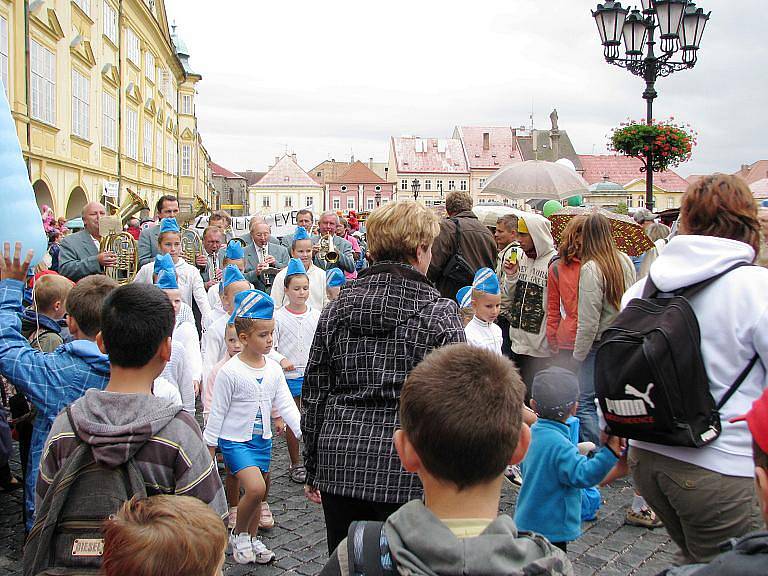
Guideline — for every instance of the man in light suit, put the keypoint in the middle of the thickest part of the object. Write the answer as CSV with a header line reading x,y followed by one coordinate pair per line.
x,y
79,255
327,225
260,254
167,207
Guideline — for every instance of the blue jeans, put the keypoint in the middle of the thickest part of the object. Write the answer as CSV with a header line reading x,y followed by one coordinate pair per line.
x,y
589,429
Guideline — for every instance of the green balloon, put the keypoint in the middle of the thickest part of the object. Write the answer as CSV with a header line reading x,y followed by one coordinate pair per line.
x,y
550,207
575,201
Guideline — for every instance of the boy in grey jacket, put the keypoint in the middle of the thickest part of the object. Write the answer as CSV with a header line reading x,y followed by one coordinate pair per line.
x,y
458,435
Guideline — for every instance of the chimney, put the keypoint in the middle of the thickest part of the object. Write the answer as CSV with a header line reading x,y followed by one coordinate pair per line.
x,y
293,156
333,160
370,163
744,168
486,141
352,159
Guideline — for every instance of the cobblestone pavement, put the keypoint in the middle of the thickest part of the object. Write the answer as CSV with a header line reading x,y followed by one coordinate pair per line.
x,y
607,547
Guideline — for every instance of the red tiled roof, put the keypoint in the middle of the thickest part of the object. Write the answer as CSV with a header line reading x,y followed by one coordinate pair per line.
x,y
218,170
626,169
753,172
430,155
358,173
286,174
502,146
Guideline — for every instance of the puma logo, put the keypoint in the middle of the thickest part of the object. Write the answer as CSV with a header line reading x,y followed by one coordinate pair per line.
x,y
630,390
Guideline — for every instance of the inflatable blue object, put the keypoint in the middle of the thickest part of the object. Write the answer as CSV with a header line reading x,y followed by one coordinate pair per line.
x,y
20,219
590,497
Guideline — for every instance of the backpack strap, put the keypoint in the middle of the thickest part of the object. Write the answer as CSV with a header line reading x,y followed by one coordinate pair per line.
x,y
368,550
457,235
687,292
735,386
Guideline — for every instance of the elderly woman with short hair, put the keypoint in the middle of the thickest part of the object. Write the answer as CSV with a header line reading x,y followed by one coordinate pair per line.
x,y
382,325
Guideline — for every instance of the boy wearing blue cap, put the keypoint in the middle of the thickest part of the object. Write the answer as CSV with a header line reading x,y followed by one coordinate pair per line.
x,y
301,248
486,303
184,369
188,277
335,279
233,254
244,393
464,300
295,325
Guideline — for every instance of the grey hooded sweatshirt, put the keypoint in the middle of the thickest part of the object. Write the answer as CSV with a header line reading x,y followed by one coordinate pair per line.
x,y
421,544
164,441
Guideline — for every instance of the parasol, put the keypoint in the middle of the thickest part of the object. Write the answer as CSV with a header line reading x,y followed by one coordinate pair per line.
x,y
488,214
536,179
629,236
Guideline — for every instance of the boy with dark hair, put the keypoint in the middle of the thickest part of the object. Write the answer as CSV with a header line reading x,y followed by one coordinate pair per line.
x,y
50,381
459,447
125,420
747,556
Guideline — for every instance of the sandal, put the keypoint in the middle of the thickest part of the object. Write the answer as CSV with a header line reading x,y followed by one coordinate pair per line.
x,y
266,520
297,474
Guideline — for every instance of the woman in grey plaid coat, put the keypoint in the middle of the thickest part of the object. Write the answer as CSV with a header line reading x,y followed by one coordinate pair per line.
x,y
367,341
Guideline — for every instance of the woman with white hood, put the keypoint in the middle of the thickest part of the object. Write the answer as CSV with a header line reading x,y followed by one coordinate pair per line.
x,y
706,495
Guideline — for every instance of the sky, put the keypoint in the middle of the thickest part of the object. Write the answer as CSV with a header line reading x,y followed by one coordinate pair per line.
x,y
339,78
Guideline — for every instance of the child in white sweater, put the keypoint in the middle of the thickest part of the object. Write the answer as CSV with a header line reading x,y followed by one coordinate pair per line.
x,y
486,303
244,393
295,325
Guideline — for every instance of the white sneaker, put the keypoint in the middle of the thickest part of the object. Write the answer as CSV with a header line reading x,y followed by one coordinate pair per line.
x,y
261,553
242,551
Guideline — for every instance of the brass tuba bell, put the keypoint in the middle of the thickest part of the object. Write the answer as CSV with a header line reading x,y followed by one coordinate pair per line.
x,y
327,251
191,243
120,242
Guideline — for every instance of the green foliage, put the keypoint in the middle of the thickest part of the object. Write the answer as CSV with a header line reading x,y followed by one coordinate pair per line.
x,y
621,208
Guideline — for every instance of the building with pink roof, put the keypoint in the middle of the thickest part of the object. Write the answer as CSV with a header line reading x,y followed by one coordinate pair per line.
x,y
285,187
487,149
358,188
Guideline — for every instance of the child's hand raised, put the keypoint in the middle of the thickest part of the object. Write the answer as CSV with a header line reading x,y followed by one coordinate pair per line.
x,y
14,269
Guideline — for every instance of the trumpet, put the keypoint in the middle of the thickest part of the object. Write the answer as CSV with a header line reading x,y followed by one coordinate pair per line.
x,y
327,250
122,243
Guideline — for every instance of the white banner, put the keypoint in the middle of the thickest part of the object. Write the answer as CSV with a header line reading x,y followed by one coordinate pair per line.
x,y
111,189
282,223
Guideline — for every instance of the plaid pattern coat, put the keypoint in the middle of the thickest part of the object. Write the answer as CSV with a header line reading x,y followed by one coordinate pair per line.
x,y
367,341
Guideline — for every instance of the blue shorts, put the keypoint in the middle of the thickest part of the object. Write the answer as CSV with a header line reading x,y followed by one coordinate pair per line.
x,y
240,455
294,385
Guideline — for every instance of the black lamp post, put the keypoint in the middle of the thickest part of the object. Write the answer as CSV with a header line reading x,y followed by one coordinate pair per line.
x,y
440,187
377,196
679,25
415,189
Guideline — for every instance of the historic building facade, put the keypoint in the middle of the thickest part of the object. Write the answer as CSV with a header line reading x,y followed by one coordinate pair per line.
x,y
104,102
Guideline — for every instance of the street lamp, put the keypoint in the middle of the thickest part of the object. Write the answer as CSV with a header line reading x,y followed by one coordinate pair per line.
x,y
377,196
440,187
415,189
679,25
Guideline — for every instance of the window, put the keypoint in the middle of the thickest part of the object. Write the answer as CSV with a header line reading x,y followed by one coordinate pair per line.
x,y
169,156
343,188
640,202
288,201
149,66
186,104
384,201
440,185
186,160
369,204
630,203
43,81
109,25
350,203
403,184
309,201
336,203
482,183
159,150
149,131
134,51
132,134
4,53
451,185
161,80
85,5
265,201
172,94
80,107
109,121
463,185
670,202
427,184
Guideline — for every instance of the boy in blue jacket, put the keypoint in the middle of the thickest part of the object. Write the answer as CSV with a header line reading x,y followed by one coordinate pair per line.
x,y
553,470
51,381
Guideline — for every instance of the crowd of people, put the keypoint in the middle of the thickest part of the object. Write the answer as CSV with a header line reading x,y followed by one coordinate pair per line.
x,y
421,365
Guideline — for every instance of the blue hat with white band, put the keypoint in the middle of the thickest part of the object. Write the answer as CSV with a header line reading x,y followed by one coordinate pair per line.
x,y
335,278
464,297
486,281
234,251
295,266
169,225
253,304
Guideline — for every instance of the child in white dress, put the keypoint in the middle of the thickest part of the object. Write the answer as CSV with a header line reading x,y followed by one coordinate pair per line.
x,y
486,303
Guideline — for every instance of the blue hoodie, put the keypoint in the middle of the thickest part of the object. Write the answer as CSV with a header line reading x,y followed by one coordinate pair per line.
x,y
553,474
50,381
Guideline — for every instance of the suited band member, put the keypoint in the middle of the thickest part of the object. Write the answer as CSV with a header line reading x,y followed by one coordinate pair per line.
x,y
79,255
167,207
261,254
327,225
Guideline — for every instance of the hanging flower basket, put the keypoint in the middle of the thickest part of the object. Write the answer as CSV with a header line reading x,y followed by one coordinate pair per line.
x,y
672,143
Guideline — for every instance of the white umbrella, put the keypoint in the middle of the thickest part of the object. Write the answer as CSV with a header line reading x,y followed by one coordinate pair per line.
x,y
536,179
488,214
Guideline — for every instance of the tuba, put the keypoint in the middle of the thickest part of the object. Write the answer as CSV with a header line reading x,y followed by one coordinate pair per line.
x,y
327,251
191,243
120,242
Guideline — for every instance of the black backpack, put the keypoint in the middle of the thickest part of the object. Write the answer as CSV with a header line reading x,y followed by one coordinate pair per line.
x,y
368,550
650,376
66,539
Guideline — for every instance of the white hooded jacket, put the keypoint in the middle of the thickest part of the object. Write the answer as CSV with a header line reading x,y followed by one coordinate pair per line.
x,y
525,293
733,321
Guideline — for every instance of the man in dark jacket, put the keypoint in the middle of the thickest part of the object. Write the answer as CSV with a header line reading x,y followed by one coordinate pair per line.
x,y
454,263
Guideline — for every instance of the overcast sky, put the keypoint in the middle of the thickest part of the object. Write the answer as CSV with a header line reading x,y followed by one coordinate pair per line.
x,y
334,78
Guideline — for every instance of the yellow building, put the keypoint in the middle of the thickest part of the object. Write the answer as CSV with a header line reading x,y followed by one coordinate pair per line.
x,y
103,98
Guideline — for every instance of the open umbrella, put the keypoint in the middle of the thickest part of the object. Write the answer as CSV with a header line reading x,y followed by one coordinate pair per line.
x,y
536,179
488,214
75,224
629,236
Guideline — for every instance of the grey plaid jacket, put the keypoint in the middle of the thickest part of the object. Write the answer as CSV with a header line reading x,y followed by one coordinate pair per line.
x,y
366,343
